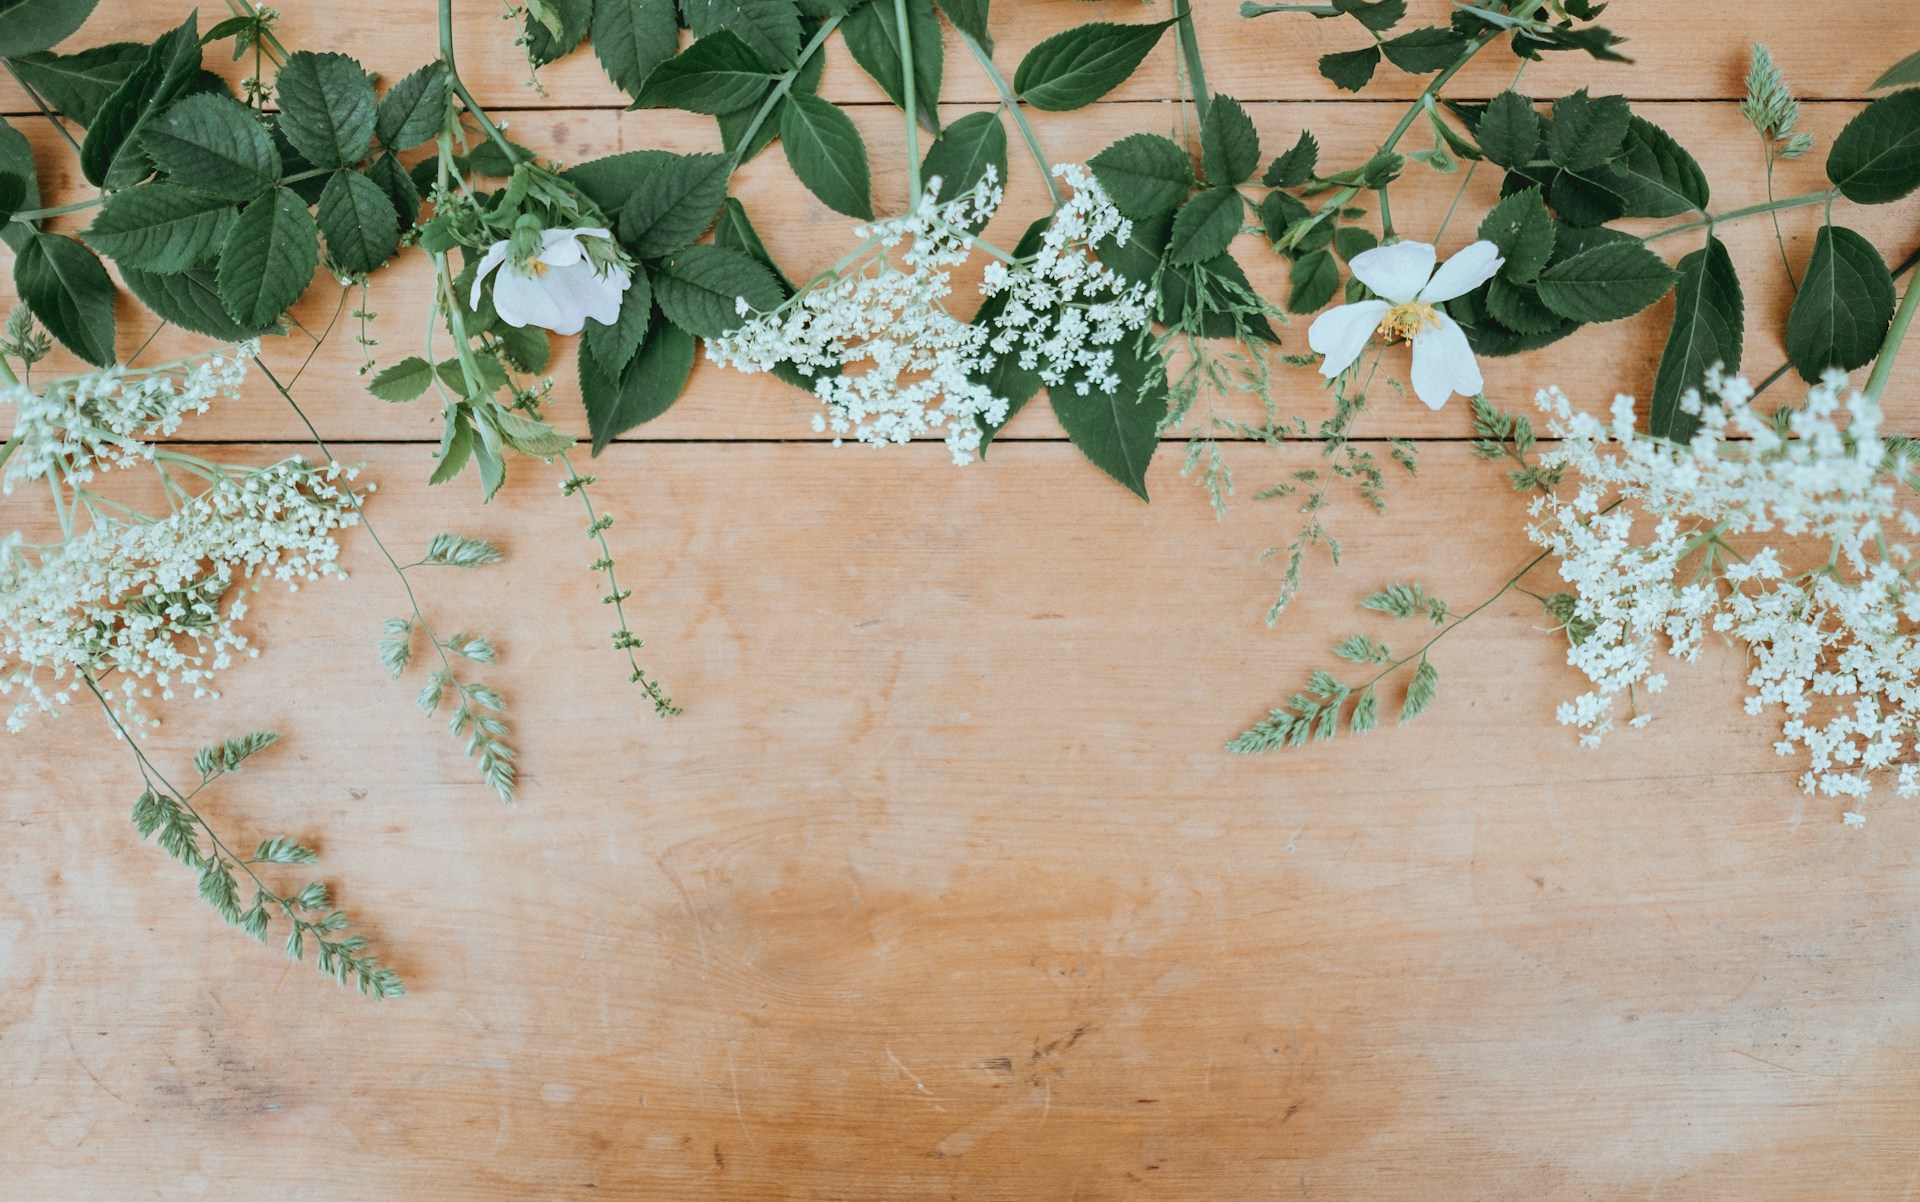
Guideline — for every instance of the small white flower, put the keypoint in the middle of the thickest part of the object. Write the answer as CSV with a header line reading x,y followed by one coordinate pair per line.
x,y
1403,276
559,288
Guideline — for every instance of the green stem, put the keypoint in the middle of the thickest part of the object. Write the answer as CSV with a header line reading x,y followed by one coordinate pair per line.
x,y
1772,206
460,89
1890,346
1011,103
907,73
243,8
1421,651
46,110
1249,9
781,87
27,216
624,638
1190,53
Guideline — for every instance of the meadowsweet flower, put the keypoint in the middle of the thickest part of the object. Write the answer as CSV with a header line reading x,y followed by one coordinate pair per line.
x,y
1662,544
1410,294
574,274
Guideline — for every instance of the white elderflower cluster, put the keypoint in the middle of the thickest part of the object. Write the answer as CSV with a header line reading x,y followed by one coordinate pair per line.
x,y
147,602
891,362
105,418
1823,600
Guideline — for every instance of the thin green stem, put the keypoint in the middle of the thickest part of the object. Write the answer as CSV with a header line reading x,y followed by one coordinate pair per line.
x,y
624,637
1890,346
1190,54
907,73
781,87
46,110
1011,104
1421,651
277,49
1823,196
27,216
460,89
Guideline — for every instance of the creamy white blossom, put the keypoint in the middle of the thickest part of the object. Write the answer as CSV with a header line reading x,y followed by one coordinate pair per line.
x,y
559,286
1784,537
1410,292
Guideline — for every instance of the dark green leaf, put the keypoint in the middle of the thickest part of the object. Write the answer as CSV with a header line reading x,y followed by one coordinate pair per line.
x,y
1118,431
1295,167
872,35
1215,297
1587,130
1350,69
415,109
825,150
555,27
674,203
632,37
647,388
1876,158
268,258
1655,175
215,145
771,27
1206,225
1709,316
1278,213
1606,283
1494,339
614,346
159,227
78,84
527,348
1230,149
734,230
190,300
16,160
1587,200
1509,131
402,381
700,287
456,446
1520,226
1313,279
1571,240
1351,240
398,185
28,26
490,160
1906,71
717,74
970,18
1078,66
111,155
1424,50
609,182
70,292
1377,15
327,108
1519,307
1844,305
358,220
1144,174
963,154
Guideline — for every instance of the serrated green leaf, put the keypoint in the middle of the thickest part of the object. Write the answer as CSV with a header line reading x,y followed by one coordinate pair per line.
x,y
1605,283
614,346
1587,130
1349,70
1377,15
404,381
268,258
213,144
111,156
734,230
1523,230
1078,66
872,35
717,74
70,292
647,388
1586,200
1118,431
1844,306
1709,320
771,27
609,182
632,37
554,28
327,108
673,203
1146,175
456,446
393,180
190,300
358,221
414,110
28,26
1509,130
1206,225
698,289
827,154
1313,279
1655,175
1876,158
524,434
963,154
1279,212
1425,50
970,18
1230,148
1295,167
159,227
78,84
1519,307
16,161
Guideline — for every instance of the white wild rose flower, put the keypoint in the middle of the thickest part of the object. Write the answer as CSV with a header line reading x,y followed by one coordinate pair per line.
x,y
559,287
1822,600
1410,291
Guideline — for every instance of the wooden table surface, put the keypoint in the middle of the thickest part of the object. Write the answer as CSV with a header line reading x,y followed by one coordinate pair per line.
x,y
943,885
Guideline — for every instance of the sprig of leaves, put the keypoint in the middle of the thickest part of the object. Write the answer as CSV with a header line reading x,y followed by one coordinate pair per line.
x,y
624,640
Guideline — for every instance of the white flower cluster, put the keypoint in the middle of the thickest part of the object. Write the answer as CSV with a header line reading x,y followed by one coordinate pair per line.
x,y
892,363
103,418
147,601
1831,637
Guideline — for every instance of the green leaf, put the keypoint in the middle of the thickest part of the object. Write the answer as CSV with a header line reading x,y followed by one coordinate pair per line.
x,y
648,387
78,84
1655,175
1145,175
632,37
215,145
1118,431
1078,66
1279,212
609,182
1351,240
1350,69
970,18
825,150
1709,316
554,28
1523,230
963,154
524,434
771,27
1585,200
717,74
327,108
1509,131
393,180
406,380
698,289
1206,225
1295,167
27,26
734,126
70,292
1906,71
1876,158
1519,307
1424,50
16,160
456,445
1606,283
1314,278
734,230
872,34
268,258
159,227
414,110
614,346
1230,149
190,300
1377,15
1587,130
359,223
674,203
1844,305
111,155
526,348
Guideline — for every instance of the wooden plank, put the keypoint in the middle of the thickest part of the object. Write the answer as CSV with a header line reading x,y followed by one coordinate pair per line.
x,y
1680,51
803,234
943,884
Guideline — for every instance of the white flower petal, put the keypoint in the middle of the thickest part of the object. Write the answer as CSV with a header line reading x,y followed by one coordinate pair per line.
x,y
1473,266
579,292
1396,272
496,255
560,248
1341,333
523,300
1443,364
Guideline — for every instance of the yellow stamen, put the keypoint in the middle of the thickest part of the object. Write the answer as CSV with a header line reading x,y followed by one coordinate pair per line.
x,y
1404,321
536,267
